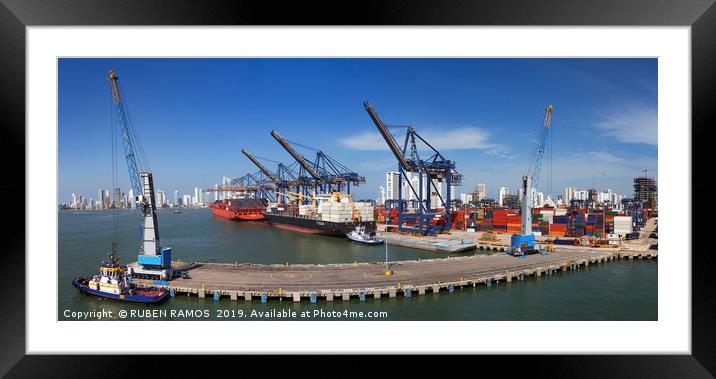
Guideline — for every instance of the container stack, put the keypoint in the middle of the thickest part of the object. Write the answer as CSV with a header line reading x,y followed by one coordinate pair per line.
x,y
580,224
622,225
513,223
365,210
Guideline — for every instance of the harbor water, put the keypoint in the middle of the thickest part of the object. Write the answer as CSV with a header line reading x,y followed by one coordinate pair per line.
x,y
619,290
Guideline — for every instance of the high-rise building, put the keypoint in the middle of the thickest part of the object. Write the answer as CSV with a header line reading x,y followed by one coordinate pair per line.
x,y
391,185
645,190
569,194
131,199
100,196
176,198
161,198
381,195
116,197
501,196
479,193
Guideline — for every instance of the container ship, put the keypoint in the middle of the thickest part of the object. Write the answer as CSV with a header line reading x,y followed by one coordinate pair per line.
x,y
332,214
247,209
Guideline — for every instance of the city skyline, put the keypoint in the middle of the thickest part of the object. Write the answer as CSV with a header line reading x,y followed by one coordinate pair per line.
x,y
481,113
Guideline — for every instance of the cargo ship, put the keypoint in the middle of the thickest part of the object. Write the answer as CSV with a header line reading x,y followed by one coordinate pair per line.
x,y
247,209
332,214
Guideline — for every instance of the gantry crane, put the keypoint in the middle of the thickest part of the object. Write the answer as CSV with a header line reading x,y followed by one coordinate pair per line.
x,y
254,185
325,174
283,179
435,168
523,243
153,260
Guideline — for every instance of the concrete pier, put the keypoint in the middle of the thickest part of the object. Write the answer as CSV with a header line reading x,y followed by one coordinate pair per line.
x,y
326,281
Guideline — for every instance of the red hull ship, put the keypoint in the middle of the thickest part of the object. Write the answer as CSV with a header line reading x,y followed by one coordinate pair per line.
x,y
240,209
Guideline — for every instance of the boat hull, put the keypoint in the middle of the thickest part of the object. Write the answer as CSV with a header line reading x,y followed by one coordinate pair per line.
x,y
122,297
313,226
237,213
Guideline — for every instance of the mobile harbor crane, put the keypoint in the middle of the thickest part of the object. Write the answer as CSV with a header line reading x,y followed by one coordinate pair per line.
x,y
524,243
153,261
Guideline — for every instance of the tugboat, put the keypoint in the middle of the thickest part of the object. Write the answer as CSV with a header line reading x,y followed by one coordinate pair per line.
x,y
360,235
112,283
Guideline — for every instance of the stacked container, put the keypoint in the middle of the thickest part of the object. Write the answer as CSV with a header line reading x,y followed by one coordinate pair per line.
x,y
622,225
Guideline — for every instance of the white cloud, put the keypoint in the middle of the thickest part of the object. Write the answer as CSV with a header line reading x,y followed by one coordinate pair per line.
x,y
440,139
635,124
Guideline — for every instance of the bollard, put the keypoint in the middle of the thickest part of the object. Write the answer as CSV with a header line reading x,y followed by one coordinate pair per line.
x,y
247,296
361,296
376,294
313,298
451,288
329,296
391,293
263,297
233,295
296,297
345,296
216,295
171,292
421,290
408,292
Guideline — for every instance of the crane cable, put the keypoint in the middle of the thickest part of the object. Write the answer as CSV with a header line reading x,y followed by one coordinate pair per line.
x,y
113,141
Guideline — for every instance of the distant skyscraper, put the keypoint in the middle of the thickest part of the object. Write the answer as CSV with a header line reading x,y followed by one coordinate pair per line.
x,y
116,197
501,195
132,200
176,198
391,185
197,196
100,199
569,194
161,198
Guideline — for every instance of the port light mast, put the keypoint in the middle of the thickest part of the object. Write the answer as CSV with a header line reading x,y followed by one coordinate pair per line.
x,y
434,168
155,260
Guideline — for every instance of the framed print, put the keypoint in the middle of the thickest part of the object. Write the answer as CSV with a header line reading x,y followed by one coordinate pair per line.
x,y
471,179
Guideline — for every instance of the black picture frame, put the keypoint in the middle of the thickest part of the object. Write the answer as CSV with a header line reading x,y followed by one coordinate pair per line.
x,y
700,15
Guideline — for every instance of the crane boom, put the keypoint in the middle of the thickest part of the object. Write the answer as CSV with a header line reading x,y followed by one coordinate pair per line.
x,y
260,166
129,149
536,164
298,157
530,179
141,180
394,147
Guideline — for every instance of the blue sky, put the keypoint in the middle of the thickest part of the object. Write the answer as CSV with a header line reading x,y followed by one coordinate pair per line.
x,y
195,115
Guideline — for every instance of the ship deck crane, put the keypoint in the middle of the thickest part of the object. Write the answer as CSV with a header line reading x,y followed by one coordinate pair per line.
x,y
153,260
523,243
434,168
